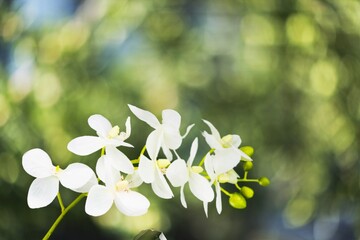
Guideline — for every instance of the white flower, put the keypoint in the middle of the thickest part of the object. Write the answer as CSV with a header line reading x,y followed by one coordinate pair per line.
x,y
179,173
116,189
152,171
166,135
109,137
230,142
219,167
43,190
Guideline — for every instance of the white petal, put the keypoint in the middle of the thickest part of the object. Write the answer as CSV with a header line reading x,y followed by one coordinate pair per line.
x,y
85,145
218,198
172,118
162,237
193,150
78,177
225,160
146,169
205,204
236,141
131,203
244,156
213,130
99,200
153,143
212,141
42,191
160,186
172,138
188,130
106,172
37,163
167,152
201,188
100,124
119,160
128,128
209,166
134,180
182,196
145,116
177,173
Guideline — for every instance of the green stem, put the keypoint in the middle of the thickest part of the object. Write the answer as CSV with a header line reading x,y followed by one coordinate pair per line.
x,y
248,180
226,192
63,213
60,202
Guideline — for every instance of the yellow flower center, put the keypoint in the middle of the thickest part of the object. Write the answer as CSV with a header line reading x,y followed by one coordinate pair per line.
x,y
163,164
226,141
57,170
122,185
223,178
196,169
114,132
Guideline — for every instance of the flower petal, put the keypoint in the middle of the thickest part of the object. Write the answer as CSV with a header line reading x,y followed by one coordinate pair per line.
x,y
100,124
99,200
212,141
236,141
134,180
182,196
37,163
146,169
85,145
201,188
177,173
153,143
214,131
209,166
193,150
128,128
205,204
172,118
172,138
145,116
225,160
131,203
244,156
108,174
78,177
160,186
188,130
119,160
218,198
42,191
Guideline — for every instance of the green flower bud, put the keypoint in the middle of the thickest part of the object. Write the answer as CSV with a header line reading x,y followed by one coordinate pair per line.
x,y
247,192
264,181
248,150
248,165
237,200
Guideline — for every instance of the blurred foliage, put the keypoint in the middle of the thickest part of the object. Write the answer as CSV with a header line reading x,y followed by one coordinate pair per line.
x,y
284,74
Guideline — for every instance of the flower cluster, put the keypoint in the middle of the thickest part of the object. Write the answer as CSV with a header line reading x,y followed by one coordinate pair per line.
x,y
117,177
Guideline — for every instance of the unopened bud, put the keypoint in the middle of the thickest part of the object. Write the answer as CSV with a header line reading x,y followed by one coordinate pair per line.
x,y
248,150
247,192
237,200
264,181
248,166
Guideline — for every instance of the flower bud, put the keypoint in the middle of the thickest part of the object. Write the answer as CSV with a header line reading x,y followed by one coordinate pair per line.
x,y
248,150
237,200
247,192
264,181
248,165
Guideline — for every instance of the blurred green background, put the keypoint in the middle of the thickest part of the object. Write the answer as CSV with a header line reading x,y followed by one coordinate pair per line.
x,y
284,74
